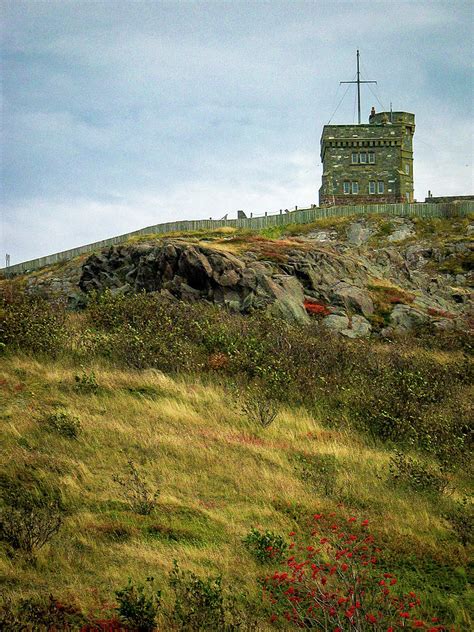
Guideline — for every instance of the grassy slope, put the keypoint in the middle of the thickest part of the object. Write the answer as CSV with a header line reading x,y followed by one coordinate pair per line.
x,y
219,476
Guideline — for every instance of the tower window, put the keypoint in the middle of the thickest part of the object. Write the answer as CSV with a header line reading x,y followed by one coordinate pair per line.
x,y
355,157
380,186
346,187
355,187
363,157
371,157
372,186
407,169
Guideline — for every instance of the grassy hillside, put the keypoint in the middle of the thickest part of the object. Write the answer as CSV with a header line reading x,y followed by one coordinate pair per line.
x,y
85,395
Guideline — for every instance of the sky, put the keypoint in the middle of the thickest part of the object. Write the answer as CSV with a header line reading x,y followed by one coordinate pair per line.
x,y
120,114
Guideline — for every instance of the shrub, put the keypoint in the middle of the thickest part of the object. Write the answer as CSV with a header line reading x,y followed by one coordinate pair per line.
x,y
265,547
414,475
332,582
460,518
40,614
30,323
63,423
144,330
319,470
138,606
29,529
31,516
199,603
141,498
259,408
86,382
395,396
314,307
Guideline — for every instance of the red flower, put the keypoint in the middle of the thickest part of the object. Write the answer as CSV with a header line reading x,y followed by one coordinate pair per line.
x,y
344,567
404,615
292,533
364,523
352,519
418,624
273,618
370,618
318,516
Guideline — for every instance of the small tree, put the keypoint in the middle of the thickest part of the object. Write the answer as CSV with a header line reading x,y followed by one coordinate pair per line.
x,y
141,498
259,408
30,517
138,605
199,603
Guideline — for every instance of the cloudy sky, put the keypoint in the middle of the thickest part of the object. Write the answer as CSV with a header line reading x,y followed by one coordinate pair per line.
x,y
119,114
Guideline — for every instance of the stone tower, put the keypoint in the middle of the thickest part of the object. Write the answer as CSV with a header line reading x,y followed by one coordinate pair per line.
x,y
369,163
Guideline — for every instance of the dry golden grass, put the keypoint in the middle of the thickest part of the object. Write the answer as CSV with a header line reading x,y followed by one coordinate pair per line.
x,y
219,476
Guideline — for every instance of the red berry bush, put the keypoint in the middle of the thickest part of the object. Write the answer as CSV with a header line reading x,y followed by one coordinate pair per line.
x,y
333,582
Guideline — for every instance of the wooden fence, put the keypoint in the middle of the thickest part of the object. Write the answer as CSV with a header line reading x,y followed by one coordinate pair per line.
x,y
301,216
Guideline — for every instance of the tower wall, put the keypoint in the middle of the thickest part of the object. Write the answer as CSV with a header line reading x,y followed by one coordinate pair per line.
x,y
372,163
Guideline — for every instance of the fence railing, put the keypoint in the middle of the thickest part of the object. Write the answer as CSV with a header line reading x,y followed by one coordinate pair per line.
x,y
300,216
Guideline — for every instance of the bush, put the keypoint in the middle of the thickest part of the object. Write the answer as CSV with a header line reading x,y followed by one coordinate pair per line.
x,y
30,323
138,606
319,470
265,547
144,331
86,382
259,408
332,582
414,475
40,614
199,603
461,520
31,515
141,498
63,423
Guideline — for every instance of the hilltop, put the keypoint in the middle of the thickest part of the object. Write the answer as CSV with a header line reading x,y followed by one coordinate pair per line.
x,y
375,274
152,412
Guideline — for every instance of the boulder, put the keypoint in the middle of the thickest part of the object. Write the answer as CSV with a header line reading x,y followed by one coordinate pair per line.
x,y
401,234
355,327
352,297
405,317
359,327
289,300
336,322
358,233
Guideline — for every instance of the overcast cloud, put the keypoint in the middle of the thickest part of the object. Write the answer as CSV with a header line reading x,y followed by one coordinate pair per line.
x,y
121,114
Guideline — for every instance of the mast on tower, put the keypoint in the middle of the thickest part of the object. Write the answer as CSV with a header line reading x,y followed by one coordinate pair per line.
x,y
358,82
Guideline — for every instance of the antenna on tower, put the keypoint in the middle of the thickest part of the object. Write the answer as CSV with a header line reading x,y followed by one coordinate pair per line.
x,y
358,82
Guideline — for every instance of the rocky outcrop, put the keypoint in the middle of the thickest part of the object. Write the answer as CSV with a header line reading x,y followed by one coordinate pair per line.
x,y
194,273
339,276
